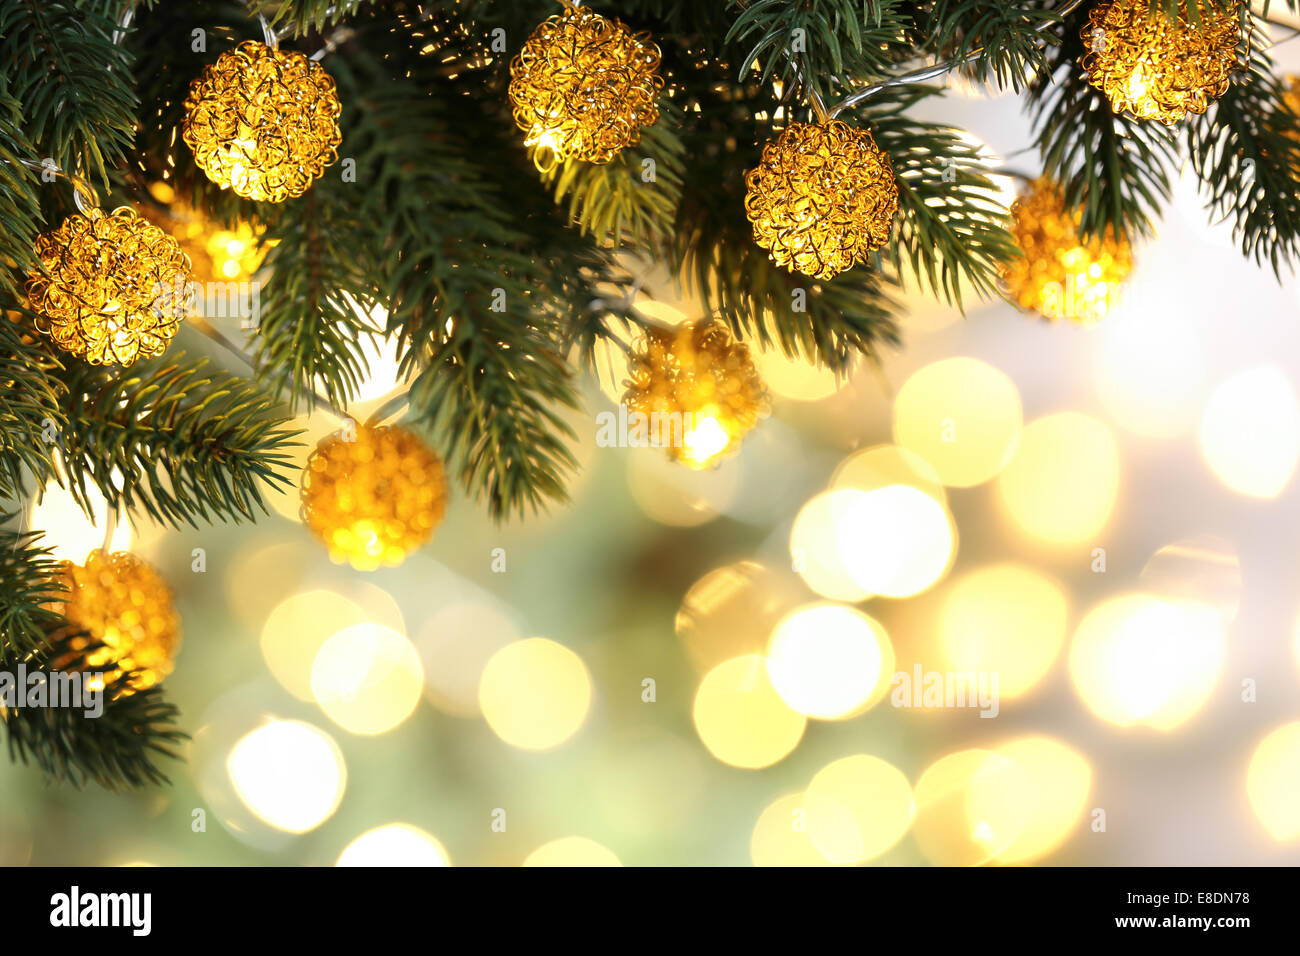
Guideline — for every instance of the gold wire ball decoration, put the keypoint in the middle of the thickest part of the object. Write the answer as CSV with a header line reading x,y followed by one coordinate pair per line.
x,y
583,86
1157,67
697,390
111,288
1060,275
263,122
373,495
123,604
822,199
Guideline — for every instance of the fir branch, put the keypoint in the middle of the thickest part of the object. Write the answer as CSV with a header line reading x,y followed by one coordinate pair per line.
x,y
1003,40
19,205
1246,151
29,574
30,413
73,81
176,439
117,749
298,17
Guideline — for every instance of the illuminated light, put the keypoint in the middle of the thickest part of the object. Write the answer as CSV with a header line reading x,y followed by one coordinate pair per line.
x,y
1138,659
1150,372
296,630
681,497
961,416
780,836
572,851
1250,432
394,844
796,378
455,645
1062,483
884,465
828,661
895,541
971,806
705,440
857,808
1273,781
662,312
535,693
815,546
1005,619
67,530
286,500
1199,570
741,718
731,611
289,774
367,678
1059,781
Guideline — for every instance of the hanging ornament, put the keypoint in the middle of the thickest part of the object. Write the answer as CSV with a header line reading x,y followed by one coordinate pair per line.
x,y
698,391
822,199
111,288
217,253
373,495
1158,67
125,606
583,86
263,122
1060,275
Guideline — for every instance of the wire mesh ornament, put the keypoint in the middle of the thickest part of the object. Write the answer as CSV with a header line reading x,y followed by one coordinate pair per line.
x,y
1157,67
1060,275
111,288
263,122
698,391
822,199
373,495
583,86
124,605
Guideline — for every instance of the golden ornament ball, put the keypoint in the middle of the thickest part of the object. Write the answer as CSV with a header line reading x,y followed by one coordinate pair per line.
x,y
218,253
123,604
111,288
373,495
263,122
822,199
1060,275
583,86
1158,67
698,391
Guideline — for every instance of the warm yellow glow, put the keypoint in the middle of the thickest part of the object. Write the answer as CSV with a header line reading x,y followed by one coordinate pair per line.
x,y
572,851
535,693
883,465
1250,432
1059,781
66,528
394,844
1139,659
732,610
741,718
895,541
857,808
367,678
971,806
455,645
961,416
1273,782
704,440
828,661
1200,570
1005,619
289,774
295,631
780,836
1062,483
796,378
681,497
815,545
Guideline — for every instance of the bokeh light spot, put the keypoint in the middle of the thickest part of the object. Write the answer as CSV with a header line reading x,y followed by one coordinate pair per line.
x,y
367,678
572,851
741,718
394,844
970,807
829,661
290,774
1273,782
1059,781
1250,432
535,693
857,808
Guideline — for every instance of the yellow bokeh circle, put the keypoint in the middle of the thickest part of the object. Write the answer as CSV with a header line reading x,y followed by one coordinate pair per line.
x,y
857,808
535,693
741,718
